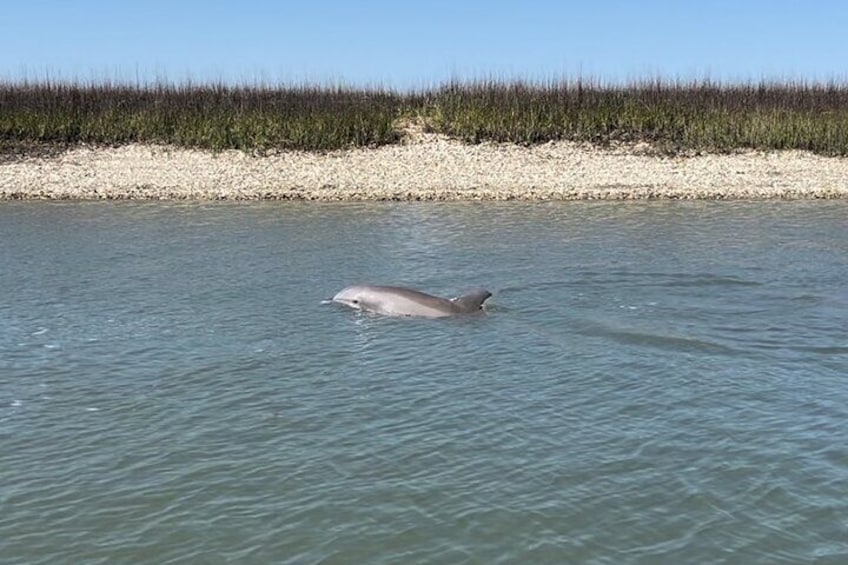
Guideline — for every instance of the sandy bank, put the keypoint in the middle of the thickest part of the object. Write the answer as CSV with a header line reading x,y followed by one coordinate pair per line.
x,y
426,167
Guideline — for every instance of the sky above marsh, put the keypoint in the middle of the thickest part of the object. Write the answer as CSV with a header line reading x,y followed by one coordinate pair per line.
x,y
408,44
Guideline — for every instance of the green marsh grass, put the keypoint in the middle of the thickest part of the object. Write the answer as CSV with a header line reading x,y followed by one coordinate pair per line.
x,y
208,116
672,116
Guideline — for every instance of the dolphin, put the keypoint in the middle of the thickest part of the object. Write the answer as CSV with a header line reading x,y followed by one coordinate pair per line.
x,y
400,301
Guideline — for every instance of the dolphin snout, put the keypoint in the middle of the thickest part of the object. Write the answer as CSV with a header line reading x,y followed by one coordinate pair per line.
x,y
347,296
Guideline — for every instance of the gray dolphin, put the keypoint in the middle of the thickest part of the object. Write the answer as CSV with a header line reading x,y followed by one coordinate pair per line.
x,y
400,301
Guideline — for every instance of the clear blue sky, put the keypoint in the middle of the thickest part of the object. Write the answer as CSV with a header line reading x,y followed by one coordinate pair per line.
x,y
407,43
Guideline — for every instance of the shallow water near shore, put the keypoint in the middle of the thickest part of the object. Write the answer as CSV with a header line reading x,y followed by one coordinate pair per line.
x,y
654,382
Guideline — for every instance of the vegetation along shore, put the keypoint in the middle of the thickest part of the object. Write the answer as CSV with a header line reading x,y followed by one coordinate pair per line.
x,y
475,140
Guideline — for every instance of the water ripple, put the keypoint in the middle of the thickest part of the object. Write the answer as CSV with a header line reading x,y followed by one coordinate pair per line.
x,y
655,382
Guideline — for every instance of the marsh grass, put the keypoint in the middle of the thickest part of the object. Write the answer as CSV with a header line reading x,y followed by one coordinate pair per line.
x,y
671,116
207,116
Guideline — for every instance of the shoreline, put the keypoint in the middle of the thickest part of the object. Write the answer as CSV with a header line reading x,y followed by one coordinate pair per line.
x,y
424,167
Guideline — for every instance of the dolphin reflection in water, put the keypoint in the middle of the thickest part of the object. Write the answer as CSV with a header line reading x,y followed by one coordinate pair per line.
x,y
400,301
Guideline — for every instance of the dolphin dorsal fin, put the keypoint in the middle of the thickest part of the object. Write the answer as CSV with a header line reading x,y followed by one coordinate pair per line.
x,y
472,301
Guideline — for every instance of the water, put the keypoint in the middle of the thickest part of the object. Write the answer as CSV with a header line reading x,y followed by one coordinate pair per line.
x,y
654,383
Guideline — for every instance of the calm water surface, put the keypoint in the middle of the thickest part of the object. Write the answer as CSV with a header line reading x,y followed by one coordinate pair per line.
x,y
653,383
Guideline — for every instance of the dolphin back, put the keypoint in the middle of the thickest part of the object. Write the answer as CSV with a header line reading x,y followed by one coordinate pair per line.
x,y
472,301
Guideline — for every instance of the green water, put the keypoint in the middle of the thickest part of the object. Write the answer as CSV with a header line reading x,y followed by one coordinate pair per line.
x,y
653,383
